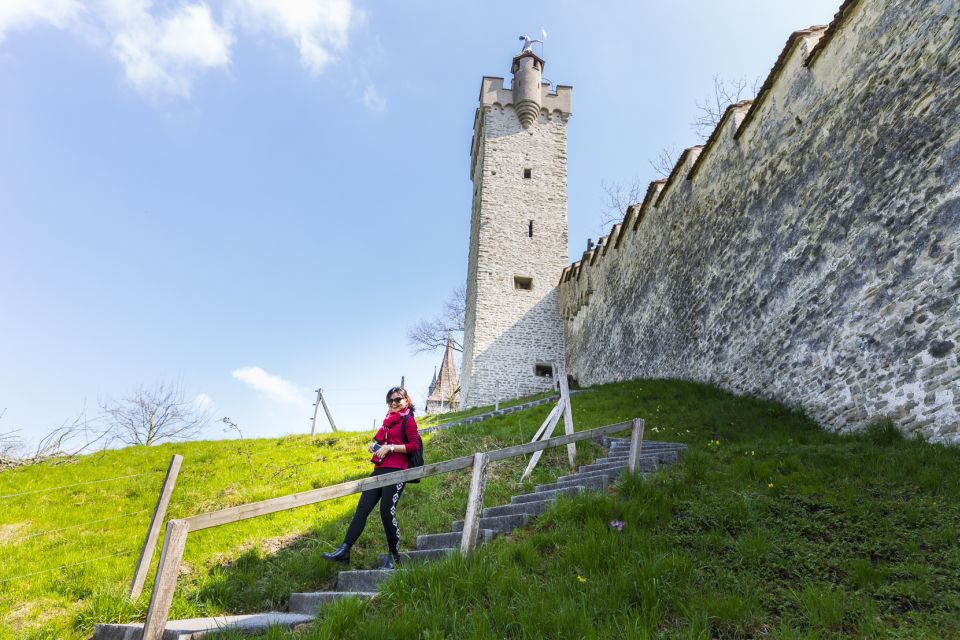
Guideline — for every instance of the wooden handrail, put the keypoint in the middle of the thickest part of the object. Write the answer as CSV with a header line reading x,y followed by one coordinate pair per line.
x,y
303,498
177,530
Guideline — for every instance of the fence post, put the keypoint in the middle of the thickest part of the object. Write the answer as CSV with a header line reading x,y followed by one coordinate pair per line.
x,y
567,417
162,597
545,432
159,513
326,409
636,443
471,522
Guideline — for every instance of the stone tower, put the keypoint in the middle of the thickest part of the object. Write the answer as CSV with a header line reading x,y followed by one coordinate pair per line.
x,y
518,236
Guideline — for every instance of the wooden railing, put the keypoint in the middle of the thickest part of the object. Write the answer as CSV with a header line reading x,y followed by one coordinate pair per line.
x,y
177,530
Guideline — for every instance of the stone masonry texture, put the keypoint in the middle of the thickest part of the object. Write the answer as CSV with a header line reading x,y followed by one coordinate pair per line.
x,y
810,251
508,331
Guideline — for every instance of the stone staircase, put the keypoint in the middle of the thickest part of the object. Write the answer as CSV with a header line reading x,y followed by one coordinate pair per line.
x,y
364,583
495,521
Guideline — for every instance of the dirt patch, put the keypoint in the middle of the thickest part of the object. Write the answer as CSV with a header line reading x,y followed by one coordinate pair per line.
x,y
10,533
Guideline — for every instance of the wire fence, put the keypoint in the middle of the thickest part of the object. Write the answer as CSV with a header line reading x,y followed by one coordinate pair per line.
x,y
67,566
76,484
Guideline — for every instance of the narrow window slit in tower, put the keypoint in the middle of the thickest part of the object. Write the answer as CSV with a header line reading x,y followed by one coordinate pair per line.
x,y
522,283
530,231
528,173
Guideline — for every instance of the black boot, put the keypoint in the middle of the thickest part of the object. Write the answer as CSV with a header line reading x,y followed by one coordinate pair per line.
x,y
340,554
392,561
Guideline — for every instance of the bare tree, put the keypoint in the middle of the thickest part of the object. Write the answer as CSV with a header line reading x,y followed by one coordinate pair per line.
x,y
664,163
725,93
710,111
64,443
428,335
148,415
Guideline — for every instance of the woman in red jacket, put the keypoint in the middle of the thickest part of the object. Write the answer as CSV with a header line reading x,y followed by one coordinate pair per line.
x,y
393,442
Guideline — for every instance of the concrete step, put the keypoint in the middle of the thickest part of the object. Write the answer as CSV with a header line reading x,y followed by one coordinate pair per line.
x,y
431,541
422,555
597,482
501,524
527,508
536,497
196,628
592,475
602,466
308,603
362,579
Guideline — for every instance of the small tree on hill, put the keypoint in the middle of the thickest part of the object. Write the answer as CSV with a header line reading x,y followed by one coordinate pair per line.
x,y
148,416
428,335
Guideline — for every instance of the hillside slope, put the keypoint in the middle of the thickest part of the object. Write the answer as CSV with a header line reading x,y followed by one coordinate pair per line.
x,y
770,527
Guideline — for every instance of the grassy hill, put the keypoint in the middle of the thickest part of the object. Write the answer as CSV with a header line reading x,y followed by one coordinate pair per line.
x,y
769,528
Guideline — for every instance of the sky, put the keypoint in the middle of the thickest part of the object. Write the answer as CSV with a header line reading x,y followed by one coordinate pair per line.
x,y
256,198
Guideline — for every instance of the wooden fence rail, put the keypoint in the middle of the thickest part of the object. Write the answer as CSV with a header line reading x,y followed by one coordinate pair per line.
x,y
178,530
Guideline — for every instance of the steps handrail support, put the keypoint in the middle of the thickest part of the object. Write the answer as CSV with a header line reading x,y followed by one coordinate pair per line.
x,y
175,539
471,520
153,531
636,444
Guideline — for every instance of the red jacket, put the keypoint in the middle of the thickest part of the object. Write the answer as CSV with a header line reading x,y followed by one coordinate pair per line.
x,y
389,433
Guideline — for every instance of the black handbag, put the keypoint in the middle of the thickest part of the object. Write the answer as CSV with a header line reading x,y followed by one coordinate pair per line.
x,y
413,459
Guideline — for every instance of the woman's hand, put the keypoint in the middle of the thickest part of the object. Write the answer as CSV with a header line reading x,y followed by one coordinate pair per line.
x,y
383,451
371,446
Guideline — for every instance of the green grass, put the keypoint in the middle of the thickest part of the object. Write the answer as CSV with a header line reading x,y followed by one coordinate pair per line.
x,y
769,528
247,566
452,416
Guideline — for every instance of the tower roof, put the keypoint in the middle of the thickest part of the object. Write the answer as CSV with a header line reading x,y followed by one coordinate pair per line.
x,y
446,387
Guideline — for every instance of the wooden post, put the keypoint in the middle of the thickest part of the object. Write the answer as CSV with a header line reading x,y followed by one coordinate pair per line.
x,y
471,522
333,425
161,599
567,417
545,432
159,513
316,412
636,443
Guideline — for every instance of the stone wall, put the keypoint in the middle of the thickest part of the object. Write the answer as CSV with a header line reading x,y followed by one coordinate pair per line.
x,y
508,330
810,250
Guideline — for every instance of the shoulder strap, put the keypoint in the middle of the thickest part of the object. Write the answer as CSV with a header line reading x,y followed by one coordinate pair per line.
x,y
403,428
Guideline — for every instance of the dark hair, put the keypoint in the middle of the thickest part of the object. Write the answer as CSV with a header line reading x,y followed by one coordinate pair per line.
x,y
402,392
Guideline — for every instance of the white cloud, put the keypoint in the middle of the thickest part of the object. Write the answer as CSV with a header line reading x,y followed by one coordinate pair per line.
x,y
372,99
274,387
163,56
319,28
164,46
203,402
19,14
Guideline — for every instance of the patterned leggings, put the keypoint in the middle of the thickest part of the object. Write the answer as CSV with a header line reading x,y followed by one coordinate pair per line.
x,y
388,496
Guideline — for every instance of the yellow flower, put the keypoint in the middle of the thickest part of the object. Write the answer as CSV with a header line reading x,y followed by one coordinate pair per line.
x,y
581,579
770,485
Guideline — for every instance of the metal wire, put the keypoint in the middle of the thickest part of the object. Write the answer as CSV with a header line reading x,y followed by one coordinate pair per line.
x,y
76,484
67,566
72,526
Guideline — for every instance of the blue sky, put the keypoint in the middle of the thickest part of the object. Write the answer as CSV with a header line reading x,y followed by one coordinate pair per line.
x,y
259,197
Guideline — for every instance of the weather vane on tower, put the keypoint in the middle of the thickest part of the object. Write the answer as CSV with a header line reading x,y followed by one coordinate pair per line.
x,y
528,42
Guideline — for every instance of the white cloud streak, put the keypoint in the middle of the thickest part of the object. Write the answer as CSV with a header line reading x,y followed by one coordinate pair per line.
x,y
372,99
274,387
319,28
164,47
163,56
21,14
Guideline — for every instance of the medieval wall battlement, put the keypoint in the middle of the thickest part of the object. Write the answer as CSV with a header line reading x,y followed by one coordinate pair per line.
x,y
809,251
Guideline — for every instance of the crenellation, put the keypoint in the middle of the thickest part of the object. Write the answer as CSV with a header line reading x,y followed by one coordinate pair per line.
x,y
811,254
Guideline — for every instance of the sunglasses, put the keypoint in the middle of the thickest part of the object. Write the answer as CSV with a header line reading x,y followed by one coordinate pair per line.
x,y
395,400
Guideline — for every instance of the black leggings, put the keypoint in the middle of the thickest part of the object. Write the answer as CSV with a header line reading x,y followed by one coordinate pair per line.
x,y
388,496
